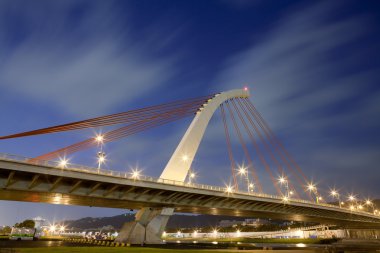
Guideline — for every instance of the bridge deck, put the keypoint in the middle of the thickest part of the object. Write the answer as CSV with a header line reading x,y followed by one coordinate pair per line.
x,y
44,181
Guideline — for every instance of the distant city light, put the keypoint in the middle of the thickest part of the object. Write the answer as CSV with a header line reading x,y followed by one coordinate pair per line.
x,y
351,198
52,228
62,228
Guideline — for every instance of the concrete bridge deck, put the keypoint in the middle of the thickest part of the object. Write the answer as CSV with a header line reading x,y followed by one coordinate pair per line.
x,y
45,181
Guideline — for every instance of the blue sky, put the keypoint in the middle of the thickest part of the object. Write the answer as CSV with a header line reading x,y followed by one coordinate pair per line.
x,y
312,68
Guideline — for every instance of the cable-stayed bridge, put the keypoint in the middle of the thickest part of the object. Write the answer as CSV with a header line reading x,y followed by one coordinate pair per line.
x,y
51,178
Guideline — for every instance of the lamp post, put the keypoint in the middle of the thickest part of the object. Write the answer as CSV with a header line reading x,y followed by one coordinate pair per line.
x,y
313,189
335,194
101,155
101,159
244,172
191,176
370,203
284,181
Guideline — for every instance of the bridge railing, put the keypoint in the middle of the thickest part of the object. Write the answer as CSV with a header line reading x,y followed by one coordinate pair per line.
x,y
127,175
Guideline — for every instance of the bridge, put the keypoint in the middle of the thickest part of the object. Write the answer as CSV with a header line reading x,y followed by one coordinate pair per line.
x,y
50,178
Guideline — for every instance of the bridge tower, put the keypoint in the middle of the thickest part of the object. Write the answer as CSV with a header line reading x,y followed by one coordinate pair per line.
x,y
150,223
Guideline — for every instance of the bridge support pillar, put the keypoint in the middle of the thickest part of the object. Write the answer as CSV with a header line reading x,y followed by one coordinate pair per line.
x,y
147,228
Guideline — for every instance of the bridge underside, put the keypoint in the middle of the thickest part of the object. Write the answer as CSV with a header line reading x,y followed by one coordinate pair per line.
x,y
56,186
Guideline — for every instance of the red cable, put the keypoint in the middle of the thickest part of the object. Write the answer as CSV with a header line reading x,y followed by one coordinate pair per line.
x,y
109,119
230,155
121,132
245,150
258,150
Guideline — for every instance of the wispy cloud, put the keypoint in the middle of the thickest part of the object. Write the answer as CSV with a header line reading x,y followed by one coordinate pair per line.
x,y
81,58
307,78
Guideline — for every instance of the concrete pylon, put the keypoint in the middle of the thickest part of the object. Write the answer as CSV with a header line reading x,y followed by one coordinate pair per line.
x,y
147,228
150,223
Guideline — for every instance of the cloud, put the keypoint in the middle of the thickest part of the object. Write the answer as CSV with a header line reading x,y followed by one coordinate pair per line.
x,y
311,79
79,57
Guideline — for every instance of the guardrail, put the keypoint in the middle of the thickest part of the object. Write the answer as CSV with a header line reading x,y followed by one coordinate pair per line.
x,y
126,175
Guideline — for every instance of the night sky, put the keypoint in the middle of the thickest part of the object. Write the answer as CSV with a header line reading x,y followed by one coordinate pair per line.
x,y
313,69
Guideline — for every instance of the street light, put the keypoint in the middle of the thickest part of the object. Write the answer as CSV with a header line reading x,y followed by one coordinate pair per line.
x,y
63,163
284,181
368,202
243,171
136,174
191,176
335,194
229,189
99,138
251,187
101,159
313,189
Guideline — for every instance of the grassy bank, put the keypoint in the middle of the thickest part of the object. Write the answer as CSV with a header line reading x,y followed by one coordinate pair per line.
x,y
127,250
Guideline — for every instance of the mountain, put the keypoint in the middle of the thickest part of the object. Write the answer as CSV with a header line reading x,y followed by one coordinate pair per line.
x,y
175,221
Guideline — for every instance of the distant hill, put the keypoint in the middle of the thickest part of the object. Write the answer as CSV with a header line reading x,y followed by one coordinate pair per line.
x,y
175,221
93,223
